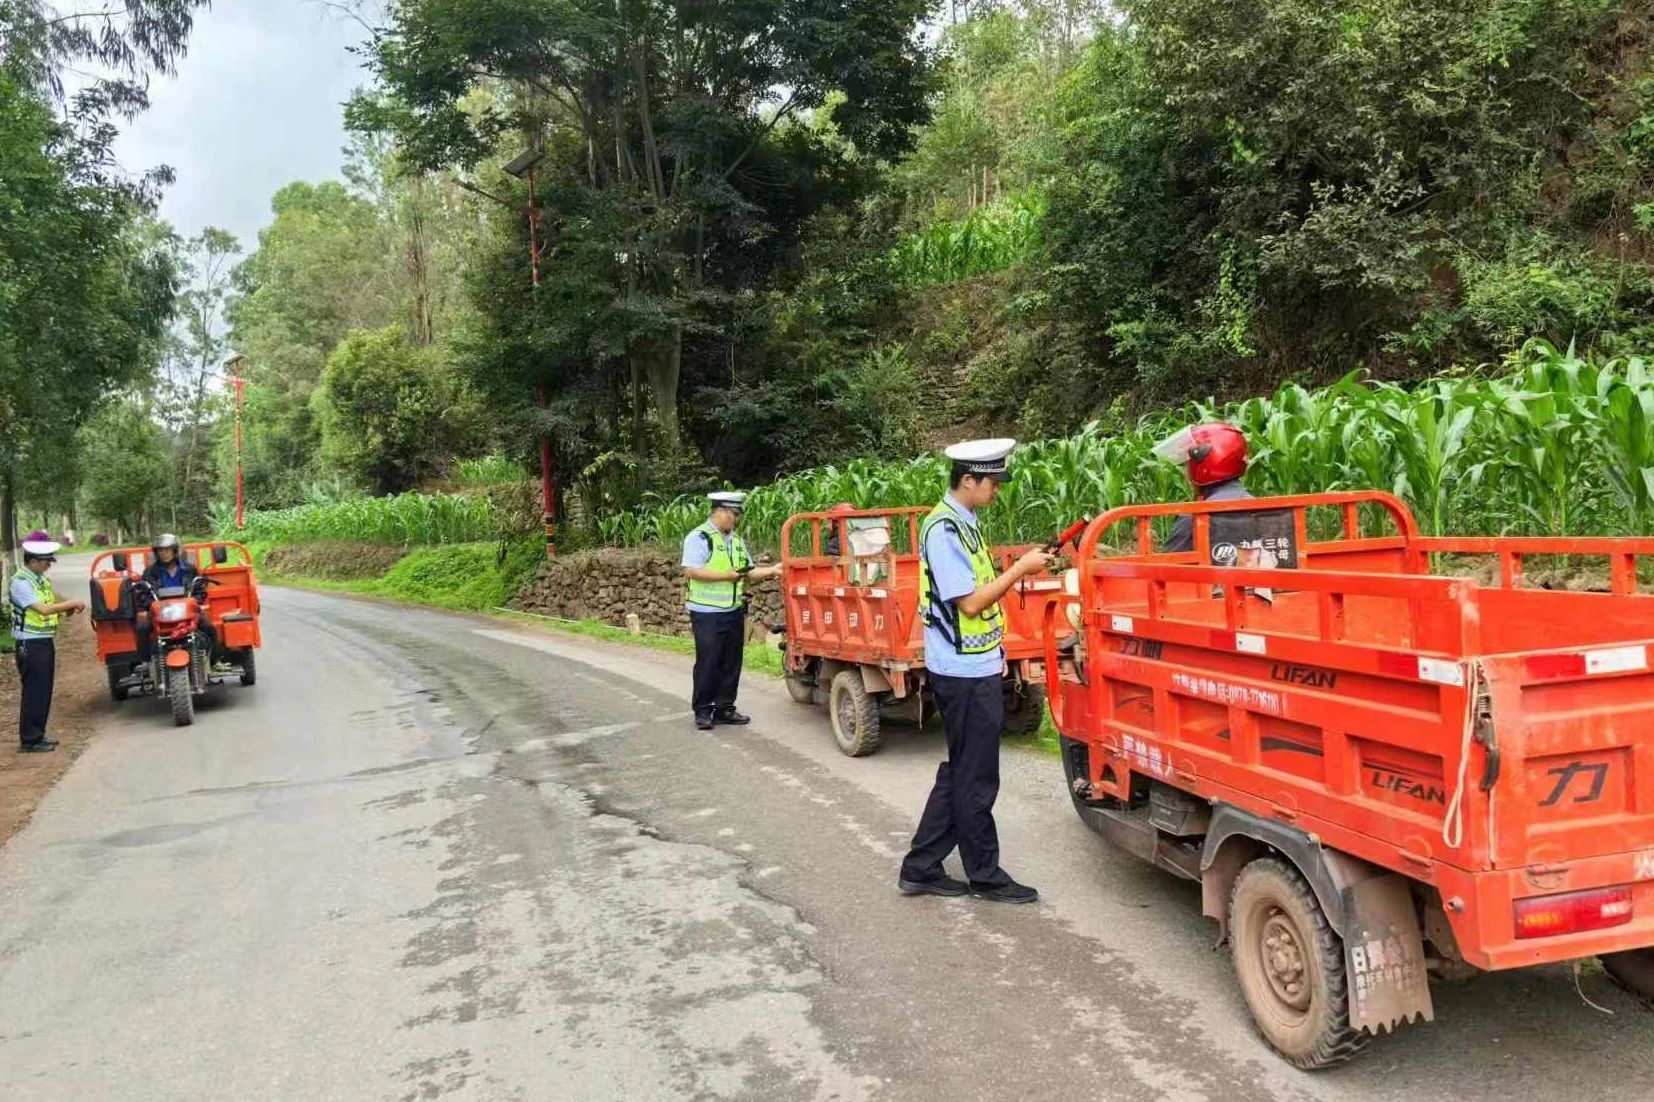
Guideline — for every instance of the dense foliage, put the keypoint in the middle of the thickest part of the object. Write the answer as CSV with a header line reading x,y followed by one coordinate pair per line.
x,y
1556,444
1274,188
86,292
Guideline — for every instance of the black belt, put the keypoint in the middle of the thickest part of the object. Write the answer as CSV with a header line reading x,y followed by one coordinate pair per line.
x,y
31,642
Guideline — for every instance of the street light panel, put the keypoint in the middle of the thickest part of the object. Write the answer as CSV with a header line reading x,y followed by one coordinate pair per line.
x,y
522,162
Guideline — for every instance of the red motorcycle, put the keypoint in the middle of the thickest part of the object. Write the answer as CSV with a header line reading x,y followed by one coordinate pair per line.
x,y
182,661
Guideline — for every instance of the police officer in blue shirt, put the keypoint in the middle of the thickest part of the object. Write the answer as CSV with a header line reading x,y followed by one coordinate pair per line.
x,y
35,613
959,595
718,566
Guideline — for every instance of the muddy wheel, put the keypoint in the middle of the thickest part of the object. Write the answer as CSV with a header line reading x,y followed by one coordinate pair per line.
x,y
1024,708
117,691
182,696
1291,967
855,714
1633,971
249,667
802,691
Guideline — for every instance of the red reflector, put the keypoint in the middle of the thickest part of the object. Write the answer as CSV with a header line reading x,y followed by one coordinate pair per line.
x,y
1576,912
1544,667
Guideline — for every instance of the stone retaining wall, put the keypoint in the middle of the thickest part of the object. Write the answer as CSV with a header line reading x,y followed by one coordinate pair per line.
x,y
608,584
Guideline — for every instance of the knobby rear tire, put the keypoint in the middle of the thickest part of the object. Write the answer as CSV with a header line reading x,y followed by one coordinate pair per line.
x,y
855,715
117,691
182,695
1274,917
1024,709
1634,972
802,692
249,667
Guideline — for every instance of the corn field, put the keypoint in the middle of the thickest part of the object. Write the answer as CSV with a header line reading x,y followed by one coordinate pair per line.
x,y
1554,444
989,239
404,519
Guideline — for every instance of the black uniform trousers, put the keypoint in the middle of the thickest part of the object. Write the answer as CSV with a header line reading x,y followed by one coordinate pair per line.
x,y
960,811
720,646
37,668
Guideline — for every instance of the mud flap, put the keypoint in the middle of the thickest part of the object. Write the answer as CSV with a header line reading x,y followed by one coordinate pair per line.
x,y
1384,955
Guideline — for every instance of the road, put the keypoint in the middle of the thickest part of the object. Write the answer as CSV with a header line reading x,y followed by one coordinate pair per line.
x,y
438,856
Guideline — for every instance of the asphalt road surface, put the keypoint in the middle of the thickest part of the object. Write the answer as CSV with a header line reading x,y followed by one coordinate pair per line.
x,y
436,856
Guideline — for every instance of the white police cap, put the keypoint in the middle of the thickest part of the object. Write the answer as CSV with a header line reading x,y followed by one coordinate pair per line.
x,y
40,549
986,458
727,499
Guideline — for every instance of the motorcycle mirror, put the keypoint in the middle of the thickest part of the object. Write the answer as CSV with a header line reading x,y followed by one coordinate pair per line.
x,y
220,554
118,560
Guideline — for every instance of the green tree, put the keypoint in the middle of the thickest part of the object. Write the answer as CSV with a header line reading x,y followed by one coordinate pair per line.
x,y
392,414
1257,189
675,173
127,467
190,375
85,296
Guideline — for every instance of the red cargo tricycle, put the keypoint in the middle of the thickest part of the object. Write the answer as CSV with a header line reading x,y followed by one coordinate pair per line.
x,y
174,641
854,637
1377,773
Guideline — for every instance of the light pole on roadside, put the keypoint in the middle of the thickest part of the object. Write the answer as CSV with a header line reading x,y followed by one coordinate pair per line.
x,y
233,376
524,167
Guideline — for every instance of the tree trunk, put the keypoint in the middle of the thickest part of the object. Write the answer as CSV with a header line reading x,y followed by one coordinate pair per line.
x,y
8,514
424,328
640,438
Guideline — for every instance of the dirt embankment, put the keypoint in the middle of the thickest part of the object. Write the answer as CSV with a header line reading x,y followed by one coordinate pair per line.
x,y
334,560
80,697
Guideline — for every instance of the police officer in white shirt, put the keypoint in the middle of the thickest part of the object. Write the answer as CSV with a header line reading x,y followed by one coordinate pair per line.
x,y
718,566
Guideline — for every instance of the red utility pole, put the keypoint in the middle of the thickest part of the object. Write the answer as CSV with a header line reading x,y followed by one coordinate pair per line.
x,y
524,168
240,385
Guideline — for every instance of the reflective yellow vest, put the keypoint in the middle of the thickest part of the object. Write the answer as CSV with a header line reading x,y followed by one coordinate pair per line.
x,y
734,556
25,620
969,634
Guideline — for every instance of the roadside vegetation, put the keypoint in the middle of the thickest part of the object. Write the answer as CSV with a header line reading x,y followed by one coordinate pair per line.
x,y
1406,245
1554,443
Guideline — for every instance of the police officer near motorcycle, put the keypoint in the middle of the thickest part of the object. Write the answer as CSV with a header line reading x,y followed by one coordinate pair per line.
x,y
959,595
36,612
718,566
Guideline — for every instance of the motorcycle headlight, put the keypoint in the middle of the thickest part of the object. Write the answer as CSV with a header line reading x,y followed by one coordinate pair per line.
x,y
171,614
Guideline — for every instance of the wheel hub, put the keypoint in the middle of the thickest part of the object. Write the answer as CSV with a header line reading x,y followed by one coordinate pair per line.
x,y
1285,964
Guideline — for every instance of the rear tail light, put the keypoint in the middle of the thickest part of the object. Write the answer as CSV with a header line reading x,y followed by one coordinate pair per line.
x,y
1576,912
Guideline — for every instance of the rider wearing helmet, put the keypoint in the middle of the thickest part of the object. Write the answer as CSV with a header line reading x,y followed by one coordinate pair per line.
x,y
1215,459
167,568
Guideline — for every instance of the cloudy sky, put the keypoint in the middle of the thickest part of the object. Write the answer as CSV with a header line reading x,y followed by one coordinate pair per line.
x,y
256,103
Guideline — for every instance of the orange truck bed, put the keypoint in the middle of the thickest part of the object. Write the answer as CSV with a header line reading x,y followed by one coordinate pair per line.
x,y
865,609
1493,743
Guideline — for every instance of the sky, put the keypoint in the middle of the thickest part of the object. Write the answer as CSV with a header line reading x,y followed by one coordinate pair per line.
x,y
256,103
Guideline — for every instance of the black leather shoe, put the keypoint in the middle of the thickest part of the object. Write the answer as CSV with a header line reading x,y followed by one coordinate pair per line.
x,y
44,746
703,723
732,717
942,885
1006,893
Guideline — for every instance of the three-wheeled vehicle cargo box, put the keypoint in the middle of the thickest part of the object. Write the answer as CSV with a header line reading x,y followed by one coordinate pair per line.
x,y
854,637
1377,772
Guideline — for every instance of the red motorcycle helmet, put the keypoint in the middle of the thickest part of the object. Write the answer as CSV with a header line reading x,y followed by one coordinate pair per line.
x,y
1214,452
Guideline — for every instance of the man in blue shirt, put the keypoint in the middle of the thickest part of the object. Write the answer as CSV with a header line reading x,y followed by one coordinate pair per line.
x,y
959,599
35,613
718,566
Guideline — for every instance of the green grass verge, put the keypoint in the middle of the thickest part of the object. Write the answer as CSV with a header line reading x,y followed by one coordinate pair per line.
x,y
465,577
